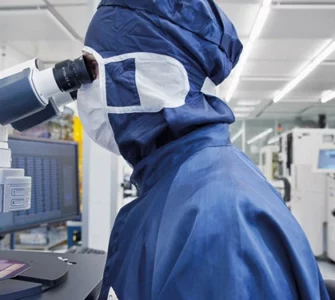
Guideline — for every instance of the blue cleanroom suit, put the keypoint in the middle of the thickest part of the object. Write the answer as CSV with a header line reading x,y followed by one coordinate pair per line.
x,y
207,224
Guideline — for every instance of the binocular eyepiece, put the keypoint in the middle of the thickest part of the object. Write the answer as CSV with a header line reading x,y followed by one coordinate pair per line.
x,y
30,96
71,75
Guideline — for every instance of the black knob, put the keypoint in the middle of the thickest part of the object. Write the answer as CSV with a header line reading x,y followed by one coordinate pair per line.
x,y
333,213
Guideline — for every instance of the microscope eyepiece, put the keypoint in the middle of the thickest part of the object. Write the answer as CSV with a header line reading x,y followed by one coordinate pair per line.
x,y
31,95
71,75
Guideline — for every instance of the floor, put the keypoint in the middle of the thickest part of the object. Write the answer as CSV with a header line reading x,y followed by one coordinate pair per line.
x,y
327,269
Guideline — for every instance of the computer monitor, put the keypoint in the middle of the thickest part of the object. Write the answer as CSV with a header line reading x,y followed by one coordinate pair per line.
x,y
53,167
325,161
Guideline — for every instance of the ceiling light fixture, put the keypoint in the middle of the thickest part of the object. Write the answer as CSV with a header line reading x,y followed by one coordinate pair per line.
x,y
242,109
237,135
241,115
260,136
328,96
248,103
305,72
255,33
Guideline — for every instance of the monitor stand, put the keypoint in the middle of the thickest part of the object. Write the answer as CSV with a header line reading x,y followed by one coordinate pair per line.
x,y
45,269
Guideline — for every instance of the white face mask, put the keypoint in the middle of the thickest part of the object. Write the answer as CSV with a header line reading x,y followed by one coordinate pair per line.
x,y
131,83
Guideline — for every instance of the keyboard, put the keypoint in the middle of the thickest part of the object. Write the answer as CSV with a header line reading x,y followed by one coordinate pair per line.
x,y
85,250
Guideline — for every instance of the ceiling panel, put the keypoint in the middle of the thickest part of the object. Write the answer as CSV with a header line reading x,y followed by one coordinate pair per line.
x,y
241,94
300,24
6,3
323,73
243,15
272,68
304,99
288,107
276,116
301,93
281,49
320,109
311,87
254,85
80,22
26,26
68,2
53,51
304,1
220,2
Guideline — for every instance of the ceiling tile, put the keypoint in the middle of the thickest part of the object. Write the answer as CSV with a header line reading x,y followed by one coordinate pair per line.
x,y
241,94
243,15
68,2
287,107
254,85
323,73
312,87
7,3
300,24
264,68
320,109
50,51
287,49
80,22
278,116
30,25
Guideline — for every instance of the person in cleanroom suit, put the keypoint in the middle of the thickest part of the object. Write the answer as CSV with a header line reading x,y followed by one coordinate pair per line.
x,y
206,225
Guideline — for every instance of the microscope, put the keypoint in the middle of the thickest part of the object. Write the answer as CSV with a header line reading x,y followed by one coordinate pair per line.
x,y
29,96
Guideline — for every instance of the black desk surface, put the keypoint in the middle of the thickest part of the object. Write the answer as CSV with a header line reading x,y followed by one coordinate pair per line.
x,y
83,280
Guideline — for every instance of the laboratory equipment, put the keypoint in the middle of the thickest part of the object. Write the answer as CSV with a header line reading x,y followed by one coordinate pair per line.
x,y
32,95
53,167
29,96
15,193
324,163
268,164
54,276
85,250
269,161
308,200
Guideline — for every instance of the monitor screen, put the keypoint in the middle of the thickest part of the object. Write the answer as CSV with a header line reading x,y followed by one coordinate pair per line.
x,y
53,167
326,159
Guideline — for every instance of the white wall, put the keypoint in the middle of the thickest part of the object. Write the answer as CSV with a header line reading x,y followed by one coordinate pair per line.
x,y
102,193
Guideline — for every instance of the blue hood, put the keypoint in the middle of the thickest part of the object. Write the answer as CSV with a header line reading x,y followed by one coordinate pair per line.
x,y
195,32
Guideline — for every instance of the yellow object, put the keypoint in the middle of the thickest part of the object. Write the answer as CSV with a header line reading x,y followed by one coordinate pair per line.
x,y
78,134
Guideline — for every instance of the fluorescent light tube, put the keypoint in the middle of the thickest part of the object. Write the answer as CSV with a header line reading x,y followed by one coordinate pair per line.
x,y
243,109
305,72
328,97
255,33
241,115
248,103
260,136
